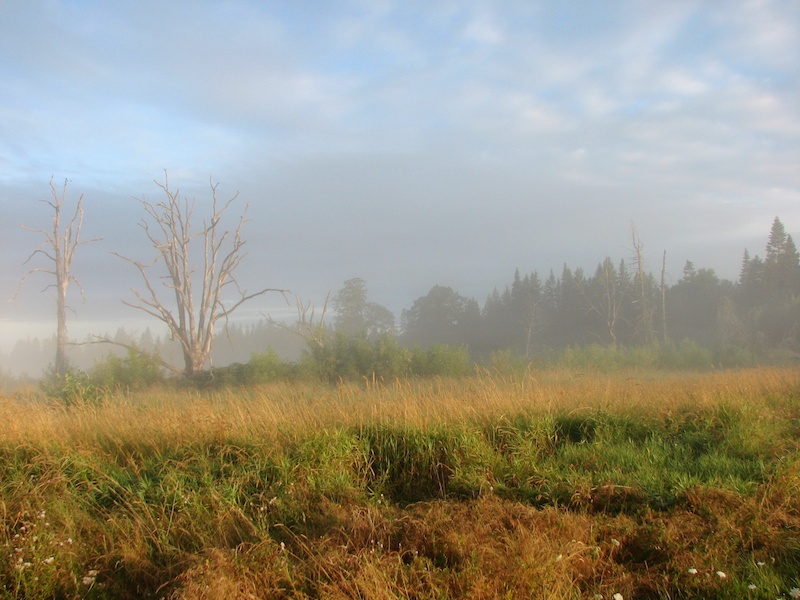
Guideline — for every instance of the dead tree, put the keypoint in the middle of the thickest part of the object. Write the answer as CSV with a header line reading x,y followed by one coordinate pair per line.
x,y
664,298
195,293
643,284
309,325
58,247
608,297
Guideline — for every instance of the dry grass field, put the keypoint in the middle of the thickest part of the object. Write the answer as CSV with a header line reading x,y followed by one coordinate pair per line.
x,y
557,484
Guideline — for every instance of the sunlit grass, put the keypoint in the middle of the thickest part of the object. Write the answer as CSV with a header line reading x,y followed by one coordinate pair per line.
x,y
557,484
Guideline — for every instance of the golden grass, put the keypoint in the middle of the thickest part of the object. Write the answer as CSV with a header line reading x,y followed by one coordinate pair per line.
x,y
178,524
178,416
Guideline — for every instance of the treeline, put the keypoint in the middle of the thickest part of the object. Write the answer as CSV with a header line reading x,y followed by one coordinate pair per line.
x,y
618,314
619,307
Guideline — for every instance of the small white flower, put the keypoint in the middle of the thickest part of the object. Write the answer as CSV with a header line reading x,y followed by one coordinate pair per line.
x,y
615,541
617,596
761,563
49,560
692,571
752,586
721,575
598,597
88,580
794,592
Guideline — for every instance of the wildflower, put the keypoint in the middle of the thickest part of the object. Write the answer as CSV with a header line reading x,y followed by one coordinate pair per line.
x,y
794,592
617,596
90,577
49,560
615,541
752,586
692,571
761,563
721,575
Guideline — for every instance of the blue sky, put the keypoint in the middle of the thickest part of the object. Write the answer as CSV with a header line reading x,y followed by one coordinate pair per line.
x,y
407,143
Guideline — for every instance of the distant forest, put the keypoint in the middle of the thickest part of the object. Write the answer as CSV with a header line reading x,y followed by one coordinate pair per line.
x,y
617,305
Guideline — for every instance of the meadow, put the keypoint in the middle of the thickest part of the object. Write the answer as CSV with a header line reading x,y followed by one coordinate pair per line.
x,y
557,484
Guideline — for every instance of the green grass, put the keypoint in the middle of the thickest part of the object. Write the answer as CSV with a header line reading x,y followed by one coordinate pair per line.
x,y
558,485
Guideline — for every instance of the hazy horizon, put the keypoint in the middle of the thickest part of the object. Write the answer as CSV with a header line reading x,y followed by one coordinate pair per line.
x,y
408,144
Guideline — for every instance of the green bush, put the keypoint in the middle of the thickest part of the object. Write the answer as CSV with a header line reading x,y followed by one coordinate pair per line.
x,y
506,362
390,360
137,370
263,367
347,357
441,360
73,388
686,355
267,366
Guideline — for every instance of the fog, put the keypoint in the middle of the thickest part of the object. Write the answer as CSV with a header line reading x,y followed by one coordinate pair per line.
x,y
407,144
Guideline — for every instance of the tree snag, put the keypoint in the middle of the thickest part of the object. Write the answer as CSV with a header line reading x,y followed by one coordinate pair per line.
x,y
196,293
58,247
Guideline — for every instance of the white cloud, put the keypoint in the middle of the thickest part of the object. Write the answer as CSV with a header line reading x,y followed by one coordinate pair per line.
x,y
483,29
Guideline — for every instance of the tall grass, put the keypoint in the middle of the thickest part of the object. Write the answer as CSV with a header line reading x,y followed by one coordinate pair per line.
x,y
559,484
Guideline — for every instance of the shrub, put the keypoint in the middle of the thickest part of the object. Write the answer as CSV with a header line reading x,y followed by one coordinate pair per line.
x,y
73,388
347,357
506,362
390,360
442,360
263,367
137,370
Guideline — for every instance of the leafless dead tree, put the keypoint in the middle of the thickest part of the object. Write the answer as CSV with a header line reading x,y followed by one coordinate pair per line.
x,y
642,279
664,335
191,314
59,247
309,325
608,303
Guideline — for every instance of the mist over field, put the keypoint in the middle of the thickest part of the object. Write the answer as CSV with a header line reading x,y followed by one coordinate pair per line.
x,y
440,153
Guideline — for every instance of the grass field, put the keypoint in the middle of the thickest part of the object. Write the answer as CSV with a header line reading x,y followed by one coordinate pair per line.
x,y
549,485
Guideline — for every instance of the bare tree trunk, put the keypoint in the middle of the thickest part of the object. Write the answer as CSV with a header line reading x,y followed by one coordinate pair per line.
x,y
59,246
664,297
61,364
645,314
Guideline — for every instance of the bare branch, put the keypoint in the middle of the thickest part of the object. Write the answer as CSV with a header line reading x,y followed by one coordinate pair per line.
x,y
104,340
308,326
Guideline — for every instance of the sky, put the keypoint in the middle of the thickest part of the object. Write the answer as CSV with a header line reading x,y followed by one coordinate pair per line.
x,y
406,143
